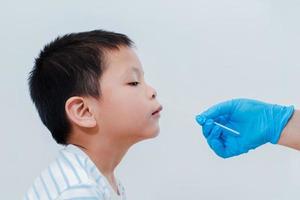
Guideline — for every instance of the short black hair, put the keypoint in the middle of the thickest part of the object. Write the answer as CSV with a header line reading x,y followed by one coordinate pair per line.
x,y
70,65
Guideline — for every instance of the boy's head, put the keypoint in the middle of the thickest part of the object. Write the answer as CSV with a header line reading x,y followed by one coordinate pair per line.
x,y
91,83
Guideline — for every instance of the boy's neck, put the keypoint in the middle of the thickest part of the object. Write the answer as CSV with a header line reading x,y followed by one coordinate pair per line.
x,y
106,155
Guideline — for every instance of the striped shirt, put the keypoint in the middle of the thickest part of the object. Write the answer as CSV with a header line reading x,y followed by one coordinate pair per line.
x,y
73,176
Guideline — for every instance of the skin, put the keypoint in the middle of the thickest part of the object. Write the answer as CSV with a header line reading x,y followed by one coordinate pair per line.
x,y
107,127
290,136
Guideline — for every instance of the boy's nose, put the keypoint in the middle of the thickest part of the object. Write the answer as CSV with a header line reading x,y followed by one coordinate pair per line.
x,y
153,93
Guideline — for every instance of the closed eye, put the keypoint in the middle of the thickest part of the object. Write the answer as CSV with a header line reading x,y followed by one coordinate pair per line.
x,y
133,83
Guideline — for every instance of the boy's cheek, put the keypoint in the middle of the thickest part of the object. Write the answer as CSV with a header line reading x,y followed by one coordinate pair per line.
x,y
131,110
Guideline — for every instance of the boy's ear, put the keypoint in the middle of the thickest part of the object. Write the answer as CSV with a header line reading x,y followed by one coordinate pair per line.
x,y
78,111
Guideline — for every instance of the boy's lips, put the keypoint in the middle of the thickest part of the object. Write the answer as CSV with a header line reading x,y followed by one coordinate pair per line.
x,y
157,110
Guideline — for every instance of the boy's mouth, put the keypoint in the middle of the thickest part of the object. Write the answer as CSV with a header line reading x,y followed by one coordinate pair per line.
x,y
157,110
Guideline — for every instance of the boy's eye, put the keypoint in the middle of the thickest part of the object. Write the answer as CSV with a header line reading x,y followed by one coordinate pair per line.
x,y
134,83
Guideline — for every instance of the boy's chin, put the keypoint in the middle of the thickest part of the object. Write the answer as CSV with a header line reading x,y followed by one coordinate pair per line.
x,y
154,135
149,135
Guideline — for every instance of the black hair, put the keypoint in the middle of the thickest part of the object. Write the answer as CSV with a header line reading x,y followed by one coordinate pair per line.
x,y
70,65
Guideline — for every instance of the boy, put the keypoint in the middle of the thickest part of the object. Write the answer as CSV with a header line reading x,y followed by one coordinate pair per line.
x,y
90,93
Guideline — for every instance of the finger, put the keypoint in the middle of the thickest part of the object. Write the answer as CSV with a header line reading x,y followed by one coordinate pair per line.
x,y
200,120
218,147
232,146
207,127
215,133
217,142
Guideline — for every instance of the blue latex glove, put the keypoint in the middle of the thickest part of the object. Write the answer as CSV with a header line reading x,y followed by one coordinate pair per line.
x,y
257,122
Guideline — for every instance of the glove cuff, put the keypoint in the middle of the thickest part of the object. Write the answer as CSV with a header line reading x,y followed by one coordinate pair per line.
x,y
281,123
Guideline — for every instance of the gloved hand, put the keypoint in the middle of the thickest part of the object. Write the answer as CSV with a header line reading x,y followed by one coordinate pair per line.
x,y
257,122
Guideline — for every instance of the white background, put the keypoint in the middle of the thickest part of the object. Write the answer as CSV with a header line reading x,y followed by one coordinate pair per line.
x,y
195,53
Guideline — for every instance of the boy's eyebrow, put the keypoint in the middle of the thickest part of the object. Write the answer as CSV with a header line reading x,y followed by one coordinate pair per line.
x,y
135,69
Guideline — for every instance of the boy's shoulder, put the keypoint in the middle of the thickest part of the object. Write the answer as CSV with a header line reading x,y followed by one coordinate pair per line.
x,y
72,172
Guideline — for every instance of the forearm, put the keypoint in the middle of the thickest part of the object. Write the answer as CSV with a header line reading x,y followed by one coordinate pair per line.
x,y
290,136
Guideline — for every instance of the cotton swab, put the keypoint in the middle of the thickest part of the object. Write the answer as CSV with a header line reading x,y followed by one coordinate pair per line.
x,y
226,128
